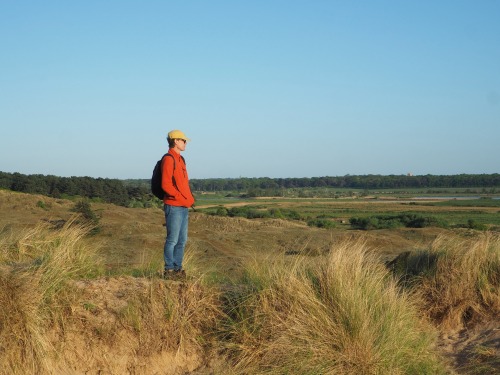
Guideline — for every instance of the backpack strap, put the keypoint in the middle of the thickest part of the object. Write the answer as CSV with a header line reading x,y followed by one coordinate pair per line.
x,y
173,177
172,156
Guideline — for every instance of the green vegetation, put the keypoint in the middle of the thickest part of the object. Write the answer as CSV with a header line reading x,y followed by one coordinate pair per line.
x,y
488,182
359,213
42,204
482,202
87,216
321,223
254,212
408,220
99,189
261,212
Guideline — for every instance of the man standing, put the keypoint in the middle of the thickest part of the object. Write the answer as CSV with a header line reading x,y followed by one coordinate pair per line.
x,y
177,200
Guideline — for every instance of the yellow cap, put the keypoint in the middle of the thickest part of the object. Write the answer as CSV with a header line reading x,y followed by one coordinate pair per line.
x,y
177,134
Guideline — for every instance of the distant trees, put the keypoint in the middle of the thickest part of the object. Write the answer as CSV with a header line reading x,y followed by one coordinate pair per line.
x,y
104,189
126,192
348,181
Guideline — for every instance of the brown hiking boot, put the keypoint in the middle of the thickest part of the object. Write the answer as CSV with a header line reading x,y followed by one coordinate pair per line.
x,y
169,274
180,274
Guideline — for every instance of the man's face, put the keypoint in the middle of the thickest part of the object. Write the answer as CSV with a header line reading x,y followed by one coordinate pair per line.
x,y
180,144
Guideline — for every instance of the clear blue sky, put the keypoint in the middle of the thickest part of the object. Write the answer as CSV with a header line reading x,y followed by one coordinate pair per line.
x,y
263,88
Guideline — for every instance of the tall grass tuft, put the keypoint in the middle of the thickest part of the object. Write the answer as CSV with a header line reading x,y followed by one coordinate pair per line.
x,y
52,304
35,269
342,314
458,278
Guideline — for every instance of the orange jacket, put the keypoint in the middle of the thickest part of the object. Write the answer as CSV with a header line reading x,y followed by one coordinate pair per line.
x,y
175,182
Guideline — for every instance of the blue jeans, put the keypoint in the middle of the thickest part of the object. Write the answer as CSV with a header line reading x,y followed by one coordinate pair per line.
x,y
177,230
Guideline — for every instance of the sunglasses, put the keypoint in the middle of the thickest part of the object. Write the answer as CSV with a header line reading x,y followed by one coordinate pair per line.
x,y
183,140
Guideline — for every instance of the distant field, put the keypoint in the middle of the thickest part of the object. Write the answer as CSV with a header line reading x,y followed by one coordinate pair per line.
x,y
455,211
329,192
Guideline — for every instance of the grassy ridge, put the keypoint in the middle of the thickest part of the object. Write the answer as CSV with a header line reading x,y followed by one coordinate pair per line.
x,y
49,322
341,313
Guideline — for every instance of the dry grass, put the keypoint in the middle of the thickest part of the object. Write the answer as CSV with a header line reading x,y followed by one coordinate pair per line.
x,y
248,307
58,315
458,277
339,315
33,278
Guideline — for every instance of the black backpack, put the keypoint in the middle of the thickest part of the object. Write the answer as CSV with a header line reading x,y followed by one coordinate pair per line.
x,y
156,188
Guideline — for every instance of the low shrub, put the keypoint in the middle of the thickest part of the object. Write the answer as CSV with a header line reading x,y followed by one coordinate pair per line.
x,y
389,222
87,216
252,212
321,223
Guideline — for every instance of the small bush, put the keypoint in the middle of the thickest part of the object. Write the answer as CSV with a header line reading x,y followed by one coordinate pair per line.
x,y
88,217
221,211
42,205
276,213
472,224
321,223
364,223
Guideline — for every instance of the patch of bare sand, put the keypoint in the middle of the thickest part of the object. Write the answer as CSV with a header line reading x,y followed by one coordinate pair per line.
x,y
469,348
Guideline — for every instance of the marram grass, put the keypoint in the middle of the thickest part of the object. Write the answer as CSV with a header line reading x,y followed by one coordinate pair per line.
x,y
40,300
342,314
458,279
34,272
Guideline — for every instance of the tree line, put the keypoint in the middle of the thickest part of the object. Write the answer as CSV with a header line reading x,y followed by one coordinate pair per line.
x,y
370,182
122,192
104,189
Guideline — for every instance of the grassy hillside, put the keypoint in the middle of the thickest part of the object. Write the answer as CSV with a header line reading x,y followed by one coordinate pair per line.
x,y
263,296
